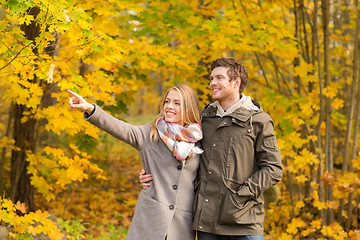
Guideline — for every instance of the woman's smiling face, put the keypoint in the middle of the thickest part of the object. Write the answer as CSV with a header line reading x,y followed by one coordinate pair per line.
x,y
172,107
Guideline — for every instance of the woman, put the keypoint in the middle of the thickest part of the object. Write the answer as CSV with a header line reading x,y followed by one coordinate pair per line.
x,y
167,150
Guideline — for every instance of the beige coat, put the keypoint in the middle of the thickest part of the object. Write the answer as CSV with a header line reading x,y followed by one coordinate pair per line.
x,y
165,208
241,160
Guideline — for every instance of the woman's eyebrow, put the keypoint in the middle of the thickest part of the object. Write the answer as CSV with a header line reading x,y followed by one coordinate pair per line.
x,y
178,100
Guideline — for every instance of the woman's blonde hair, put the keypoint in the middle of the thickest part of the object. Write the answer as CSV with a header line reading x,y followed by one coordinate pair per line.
x,y
189,105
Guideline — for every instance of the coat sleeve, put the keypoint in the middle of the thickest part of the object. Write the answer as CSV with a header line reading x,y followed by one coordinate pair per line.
x,y
133,135
267,156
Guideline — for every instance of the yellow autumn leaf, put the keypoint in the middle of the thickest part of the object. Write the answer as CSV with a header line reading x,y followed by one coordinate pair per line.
x,y
313,137
25,19
305,159
311,78
319,205
330,91
356,162
294,225
297,121
337,103
92,131
303,70
20,228
28,219
314,185
21,207
8,205
57,152
334,231
74,173
5,141
299,204
301,179
284,236
316,223
39,215
307,232
32,230
333,204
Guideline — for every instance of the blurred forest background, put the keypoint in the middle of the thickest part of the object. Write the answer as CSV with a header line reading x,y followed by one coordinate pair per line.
x,y
61,178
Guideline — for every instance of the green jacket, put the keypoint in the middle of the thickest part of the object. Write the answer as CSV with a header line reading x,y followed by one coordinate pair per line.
x,y
241,160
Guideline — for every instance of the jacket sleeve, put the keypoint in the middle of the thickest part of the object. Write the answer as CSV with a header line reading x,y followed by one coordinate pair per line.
x,y
267,156
130,134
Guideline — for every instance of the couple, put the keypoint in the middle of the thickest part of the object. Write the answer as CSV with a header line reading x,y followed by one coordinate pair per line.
x,y
237,158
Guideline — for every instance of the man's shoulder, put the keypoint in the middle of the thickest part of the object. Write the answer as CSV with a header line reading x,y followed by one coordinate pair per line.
x,y
261,116
256,103
209,107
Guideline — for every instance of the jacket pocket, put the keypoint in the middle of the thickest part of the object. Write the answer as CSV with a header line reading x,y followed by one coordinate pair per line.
x,y
270,143
236,210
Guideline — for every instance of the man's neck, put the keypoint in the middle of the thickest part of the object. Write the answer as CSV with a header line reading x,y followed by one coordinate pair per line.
x,y
227,103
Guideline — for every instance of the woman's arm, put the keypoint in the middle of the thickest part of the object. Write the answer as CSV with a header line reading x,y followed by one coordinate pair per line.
x,y
136,136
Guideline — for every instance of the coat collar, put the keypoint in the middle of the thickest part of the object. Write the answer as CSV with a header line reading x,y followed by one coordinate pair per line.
x,y
241,113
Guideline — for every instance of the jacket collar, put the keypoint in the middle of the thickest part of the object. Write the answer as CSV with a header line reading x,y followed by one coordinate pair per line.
x,y
246,109
242,114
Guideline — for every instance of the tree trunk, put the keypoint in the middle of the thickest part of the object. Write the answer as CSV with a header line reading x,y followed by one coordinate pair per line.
x,y
328,145
356,73
321,111
350,115
24,134
353,156
297,36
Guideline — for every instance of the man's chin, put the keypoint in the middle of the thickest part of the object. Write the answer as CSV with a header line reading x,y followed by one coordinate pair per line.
x,y
215,98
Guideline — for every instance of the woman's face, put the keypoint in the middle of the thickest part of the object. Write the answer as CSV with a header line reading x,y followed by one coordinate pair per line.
x,y
172,107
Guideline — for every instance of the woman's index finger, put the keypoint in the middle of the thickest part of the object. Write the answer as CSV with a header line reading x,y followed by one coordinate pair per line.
x,y
74,94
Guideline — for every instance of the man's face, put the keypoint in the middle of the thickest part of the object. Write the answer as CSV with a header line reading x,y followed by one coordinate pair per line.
x,y
221,87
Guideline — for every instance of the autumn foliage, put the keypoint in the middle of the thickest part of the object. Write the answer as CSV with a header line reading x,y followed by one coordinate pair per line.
x,y
60,177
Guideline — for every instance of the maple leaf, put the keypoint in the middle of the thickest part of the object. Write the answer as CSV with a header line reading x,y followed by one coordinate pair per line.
x,y
328,178
337,103
21,207
8,205
316,223
344,188
301,179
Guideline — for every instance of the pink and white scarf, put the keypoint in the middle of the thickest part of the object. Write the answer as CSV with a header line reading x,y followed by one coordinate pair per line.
x,y
180,140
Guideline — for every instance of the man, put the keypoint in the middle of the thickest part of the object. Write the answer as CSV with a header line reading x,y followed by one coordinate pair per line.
x,y
241,159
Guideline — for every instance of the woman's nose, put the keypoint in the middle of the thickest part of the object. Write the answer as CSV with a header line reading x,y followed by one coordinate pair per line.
x,y
170,105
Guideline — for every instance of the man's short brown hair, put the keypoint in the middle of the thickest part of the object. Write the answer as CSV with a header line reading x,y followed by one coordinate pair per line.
x,y
235,70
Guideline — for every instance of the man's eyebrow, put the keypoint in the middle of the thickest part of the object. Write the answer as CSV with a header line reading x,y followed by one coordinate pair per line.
x,y
218,75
